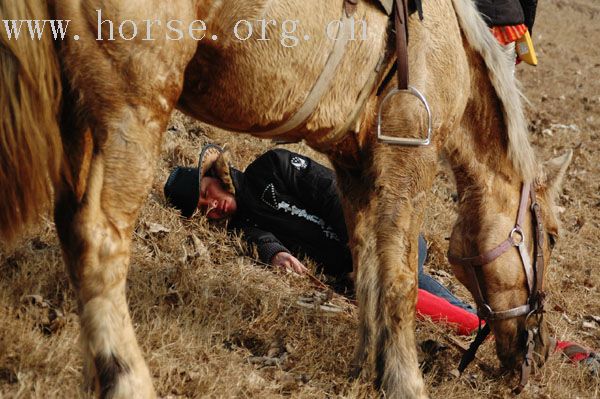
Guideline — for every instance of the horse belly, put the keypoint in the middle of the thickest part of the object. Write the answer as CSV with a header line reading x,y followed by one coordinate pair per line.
x,y
257,84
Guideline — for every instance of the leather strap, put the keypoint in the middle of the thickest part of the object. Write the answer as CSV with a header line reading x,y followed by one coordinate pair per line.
x,y
324,80
526,261
484,259
401,26
490,256
353,120
539,247
522,246
469,355
527,363
538,296
504,314
350,7
479,299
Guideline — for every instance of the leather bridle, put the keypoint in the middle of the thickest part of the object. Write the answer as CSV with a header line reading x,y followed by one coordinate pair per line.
x,y
535,276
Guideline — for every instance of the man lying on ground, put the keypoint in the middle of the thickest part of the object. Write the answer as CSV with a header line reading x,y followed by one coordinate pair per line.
x,y
286,204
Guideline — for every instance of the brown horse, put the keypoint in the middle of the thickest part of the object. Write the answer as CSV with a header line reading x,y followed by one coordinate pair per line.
x,y
87,115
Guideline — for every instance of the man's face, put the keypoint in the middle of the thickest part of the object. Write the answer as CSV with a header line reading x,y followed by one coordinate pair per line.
x,y
215,202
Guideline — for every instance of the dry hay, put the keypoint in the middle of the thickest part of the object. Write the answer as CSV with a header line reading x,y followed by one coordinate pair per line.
x,y
213,323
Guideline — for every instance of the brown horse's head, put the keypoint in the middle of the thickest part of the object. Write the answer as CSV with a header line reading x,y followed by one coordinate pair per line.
x,y
487,261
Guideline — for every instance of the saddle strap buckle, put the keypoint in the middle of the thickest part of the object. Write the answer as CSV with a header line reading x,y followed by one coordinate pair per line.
x,y
405,141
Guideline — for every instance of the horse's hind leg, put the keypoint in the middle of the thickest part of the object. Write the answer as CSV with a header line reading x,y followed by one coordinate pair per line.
x,y
125,93
359,204
95,233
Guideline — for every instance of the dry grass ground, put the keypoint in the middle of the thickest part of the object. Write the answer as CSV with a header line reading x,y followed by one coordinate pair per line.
x,y
208,318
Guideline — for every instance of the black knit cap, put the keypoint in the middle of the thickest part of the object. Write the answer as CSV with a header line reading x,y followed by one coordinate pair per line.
x,y
182,190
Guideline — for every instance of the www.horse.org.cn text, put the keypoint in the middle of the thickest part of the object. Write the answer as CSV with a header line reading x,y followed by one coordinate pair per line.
x,y
288,31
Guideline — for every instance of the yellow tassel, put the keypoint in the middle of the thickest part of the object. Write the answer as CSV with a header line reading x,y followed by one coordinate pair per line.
x,y
525,50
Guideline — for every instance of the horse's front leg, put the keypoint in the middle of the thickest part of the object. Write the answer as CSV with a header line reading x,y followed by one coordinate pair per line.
x,y
118,101
383,203
405,175
398,374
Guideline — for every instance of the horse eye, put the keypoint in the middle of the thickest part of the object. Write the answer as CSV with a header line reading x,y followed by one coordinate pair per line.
x,y
551,240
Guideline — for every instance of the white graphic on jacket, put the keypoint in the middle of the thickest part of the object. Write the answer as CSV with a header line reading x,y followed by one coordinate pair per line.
x,y
299,163
269,197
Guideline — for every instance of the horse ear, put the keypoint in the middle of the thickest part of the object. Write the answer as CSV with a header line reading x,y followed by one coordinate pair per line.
x,y
555,170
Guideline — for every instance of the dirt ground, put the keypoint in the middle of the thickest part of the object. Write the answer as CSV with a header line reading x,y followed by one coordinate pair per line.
x,y
214,323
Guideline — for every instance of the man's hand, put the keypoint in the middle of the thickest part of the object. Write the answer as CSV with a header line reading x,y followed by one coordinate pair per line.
x,y
287,261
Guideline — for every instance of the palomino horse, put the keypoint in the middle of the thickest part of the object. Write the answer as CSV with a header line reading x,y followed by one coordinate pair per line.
x,y
90,112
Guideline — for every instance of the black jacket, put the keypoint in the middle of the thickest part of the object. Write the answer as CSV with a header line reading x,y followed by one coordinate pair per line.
x,y
288,202
508,12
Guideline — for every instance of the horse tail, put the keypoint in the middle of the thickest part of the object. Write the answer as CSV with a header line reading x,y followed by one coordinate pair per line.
x,y
30,97
500,65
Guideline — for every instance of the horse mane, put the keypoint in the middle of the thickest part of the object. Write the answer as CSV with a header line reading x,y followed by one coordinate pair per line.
x,y
500,71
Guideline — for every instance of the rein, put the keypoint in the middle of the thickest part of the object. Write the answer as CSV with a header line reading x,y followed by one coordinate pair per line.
x,y
534,272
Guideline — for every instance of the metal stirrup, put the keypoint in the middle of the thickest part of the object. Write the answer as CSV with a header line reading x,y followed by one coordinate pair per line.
x,y
405,140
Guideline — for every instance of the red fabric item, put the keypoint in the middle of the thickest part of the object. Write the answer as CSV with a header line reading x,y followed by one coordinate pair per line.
x,y
440,310
573,351
508,34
